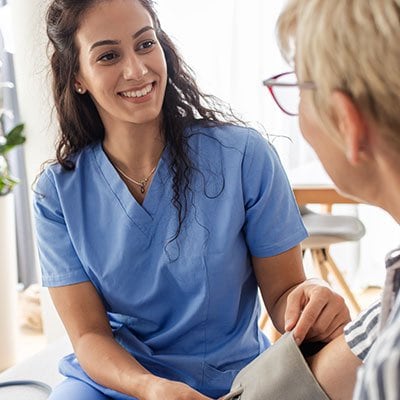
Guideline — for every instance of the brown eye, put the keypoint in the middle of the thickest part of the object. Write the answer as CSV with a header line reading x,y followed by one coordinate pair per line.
x,y
146,45
107,57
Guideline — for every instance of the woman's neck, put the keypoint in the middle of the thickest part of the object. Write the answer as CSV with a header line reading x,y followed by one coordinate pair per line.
x,y
136,150
388,189
381,184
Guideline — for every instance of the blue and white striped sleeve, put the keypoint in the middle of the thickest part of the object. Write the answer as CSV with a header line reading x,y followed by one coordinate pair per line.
x,y
361,333
379,377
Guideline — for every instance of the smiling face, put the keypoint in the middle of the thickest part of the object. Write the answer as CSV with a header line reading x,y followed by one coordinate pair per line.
x,y
121,63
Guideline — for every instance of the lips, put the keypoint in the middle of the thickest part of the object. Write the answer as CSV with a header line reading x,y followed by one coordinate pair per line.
x,y
138,93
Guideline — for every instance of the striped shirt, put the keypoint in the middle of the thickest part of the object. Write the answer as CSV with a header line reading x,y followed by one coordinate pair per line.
x,y
361,333
379,377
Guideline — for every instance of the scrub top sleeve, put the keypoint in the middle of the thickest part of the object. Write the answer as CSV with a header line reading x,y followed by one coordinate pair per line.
x,y
59,262
273,223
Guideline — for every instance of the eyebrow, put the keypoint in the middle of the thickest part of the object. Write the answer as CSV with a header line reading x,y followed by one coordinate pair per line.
x,y
109,42
104,43
144,29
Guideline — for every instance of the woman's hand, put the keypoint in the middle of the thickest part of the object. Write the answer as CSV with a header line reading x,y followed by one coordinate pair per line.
x,y
306,306
160,388
314,312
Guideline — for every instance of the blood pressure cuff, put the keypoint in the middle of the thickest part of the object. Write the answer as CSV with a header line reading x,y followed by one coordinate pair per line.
x,y
281,372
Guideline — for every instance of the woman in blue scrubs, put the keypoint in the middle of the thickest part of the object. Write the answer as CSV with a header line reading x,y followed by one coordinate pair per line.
x,y
161,219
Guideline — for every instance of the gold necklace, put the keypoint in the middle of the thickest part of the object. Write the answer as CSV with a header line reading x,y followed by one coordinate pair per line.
x,y
142,183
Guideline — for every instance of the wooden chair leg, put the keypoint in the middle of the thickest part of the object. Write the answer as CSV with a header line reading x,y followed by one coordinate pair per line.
x,y
334,270
263,320
272,333
324,265
319,259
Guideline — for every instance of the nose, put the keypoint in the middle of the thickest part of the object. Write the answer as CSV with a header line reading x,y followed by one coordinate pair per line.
x,y
134,68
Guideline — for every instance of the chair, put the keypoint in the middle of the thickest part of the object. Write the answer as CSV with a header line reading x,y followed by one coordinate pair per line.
x,y
325,230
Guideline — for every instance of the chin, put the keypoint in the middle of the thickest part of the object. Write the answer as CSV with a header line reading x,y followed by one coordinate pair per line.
x,y
346,192
147,117
350,190
344,186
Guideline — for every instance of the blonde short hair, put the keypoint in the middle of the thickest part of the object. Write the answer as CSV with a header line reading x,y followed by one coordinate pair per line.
x,y
350,45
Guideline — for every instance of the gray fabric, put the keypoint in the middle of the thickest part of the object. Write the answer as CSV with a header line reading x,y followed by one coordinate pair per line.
x,y
338,228
281,372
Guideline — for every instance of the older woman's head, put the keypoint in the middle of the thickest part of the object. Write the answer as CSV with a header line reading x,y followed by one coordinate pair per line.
x,y
349,45
349,51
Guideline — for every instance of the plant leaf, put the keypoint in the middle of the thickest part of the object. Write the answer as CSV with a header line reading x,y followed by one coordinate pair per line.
x,y
7,183
13,138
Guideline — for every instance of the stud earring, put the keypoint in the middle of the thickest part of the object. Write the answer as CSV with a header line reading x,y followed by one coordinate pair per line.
x,y
80,90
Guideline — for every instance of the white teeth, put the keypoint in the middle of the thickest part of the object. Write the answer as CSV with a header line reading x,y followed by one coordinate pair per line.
x,y
138,93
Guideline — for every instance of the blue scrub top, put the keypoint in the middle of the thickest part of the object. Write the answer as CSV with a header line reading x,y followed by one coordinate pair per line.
x,y
186,309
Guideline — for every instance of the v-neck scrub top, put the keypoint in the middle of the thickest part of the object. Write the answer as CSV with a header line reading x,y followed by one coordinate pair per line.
x,y
185,308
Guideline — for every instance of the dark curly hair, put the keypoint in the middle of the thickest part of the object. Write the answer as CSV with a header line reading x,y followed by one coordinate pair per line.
x,y
80,124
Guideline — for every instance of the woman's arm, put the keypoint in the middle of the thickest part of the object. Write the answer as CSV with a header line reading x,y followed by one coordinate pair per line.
x,y
335,365
335,368
102,358
309,307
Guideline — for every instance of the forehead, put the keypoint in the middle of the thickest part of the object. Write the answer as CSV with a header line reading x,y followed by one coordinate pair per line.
x,y
112,19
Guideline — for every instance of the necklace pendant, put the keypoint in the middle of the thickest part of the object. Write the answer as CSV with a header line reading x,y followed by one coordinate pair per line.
x,y
142,183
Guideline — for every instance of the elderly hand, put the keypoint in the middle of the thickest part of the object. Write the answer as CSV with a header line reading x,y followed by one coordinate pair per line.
x,y
314,312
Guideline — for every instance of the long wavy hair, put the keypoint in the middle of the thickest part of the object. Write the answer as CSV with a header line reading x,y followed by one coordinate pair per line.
x,y
80,124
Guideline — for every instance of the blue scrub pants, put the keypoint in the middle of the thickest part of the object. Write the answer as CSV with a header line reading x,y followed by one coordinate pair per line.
x,y
76,390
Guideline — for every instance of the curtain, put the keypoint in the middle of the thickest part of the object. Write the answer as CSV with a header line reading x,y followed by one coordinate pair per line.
x,y
25,249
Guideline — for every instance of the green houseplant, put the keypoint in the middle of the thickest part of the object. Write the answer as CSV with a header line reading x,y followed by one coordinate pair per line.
x,y
7,142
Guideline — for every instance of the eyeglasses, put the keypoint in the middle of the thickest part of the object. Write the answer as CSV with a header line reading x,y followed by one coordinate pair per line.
x,y
285,90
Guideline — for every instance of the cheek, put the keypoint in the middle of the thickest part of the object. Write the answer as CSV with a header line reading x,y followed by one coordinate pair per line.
x,y
311,128
162,62
307,126
162,73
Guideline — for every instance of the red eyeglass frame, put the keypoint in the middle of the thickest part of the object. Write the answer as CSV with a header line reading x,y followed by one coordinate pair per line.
x,y
270,83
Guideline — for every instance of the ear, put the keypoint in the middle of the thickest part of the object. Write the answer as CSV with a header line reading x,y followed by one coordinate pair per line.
x,y
352,126
79,86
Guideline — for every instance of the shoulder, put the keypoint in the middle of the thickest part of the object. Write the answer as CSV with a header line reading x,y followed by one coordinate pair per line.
x,y
227,134
55,178
231,137
55,173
